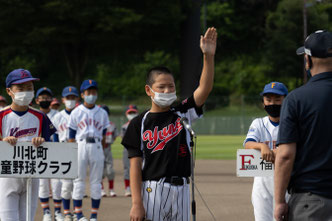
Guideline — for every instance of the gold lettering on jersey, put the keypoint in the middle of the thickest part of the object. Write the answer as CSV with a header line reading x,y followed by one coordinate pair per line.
x,y
162,136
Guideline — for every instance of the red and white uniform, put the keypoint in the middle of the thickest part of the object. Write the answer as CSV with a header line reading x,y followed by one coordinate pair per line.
x,y
24,126
89,123
110,137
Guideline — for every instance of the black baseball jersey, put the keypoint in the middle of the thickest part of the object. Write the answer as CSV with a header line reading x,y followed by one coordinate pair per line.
x,y
162,141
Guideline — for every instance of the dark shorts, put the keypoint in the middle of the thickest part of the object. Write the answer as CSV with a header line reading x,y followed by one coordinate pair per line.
x,y
309,207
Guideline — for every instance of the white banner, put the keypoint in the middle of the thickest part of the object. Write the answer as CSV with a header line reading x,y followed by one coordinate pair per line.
x,y
249,163
50,160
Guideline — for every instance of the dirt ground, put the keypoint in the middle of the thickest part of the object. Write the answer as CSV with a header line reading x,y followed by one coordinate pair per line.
x,y
227,196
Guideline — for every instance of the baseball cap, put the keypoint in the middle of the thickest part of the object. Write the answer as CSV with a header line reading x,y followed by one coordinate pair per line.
x,y
44,89
131,108
19,76
317,45
275,88
70,90
2,98
86,84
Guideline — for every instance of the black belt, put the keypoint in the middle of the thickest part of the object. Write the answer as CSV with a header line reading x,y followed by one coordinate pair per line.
x,y
176,180
297,190
91,140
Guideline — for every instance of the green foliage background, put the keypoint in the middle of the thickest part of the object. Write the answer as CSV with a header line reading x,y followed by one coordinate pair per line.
x,y
116,42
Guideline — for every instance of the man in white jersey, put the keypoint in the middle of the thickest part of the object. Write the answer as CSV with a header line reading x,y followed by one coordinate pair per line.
x,y
87,126
18,123
44,98
262,136
70,98
159,145
109,172
131,113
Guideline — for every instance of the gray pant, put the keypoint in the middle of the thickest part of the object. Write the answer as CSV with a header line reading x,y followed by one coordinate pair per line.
x,y
126,164
108,164
309,207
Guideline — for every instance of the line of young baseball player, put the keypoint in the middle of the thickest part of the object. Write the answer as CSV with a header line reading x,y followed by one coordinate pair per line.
x,y
157,143
87,124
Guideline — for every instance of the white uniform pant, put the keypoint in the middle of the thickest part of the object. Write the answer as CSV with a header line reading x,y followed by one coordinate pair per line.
x,y
92,155
108,164
163,201
44,188
66,189
262,198
13,199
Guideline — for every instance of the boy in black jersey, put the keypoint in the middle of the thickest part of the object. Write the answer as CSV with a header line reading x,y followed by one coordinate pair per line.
x,y
158,145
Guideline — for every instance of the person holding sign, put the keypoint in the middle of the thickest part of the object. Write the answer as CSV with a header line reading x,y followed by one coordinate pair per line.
x,y
70,99
87,126
19,122
262,136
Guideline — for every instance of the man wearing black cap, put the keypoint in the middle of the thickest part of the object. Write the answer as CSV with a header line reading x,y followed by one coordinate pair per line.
x,y
304,160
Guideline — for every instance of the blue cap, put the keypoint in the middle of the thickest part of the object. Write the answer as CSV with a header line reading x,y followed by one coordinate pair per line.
x,y
44,89
70,90
275,88
19,76
86,84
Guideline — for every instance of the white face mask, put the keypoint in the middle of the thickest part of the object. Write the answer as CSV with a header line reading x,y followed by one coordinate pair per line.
x,y
131,116
70,104
163,99
90,99
23,98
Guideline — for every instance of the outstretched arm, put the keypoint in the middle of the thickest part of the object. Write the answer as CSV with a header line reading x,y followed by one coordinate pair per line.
x,y
208,45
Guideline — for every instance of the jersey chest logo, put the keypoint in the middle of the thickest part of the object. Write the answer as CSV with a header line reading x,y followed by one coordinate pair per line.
x,y
15,132
157,139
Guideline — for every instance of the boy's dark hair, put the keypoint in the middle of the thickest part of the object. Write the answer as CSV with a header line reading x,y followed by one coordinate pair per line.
x,y
155,71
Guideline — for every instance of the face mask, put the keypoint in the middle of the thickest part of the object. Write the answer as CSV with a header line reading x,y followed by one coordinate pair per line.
x,y
131,116
70,104
45,104
163,99
273,110
90,99
23,98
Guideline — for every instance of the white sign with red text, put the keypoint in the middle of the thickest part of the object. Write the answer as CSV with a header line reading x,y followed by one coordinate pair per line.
x,y
50,160
249,163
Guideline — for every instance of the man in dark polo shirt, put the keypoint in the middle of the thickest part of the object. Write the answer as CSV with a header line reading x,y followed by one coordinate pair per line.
x,y
304,159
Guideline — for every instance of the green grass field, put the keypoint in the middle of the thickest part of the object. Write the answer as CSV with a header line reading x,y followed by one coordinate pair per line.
x,y
208,147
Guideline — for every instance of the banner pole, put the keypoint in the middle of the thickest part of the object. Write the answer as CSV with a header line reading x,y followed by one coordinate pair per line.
x,y
28,196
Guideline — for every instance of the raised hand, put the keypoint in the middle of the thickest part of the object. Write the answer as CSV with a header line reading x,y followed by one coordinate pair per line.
x,y
208,42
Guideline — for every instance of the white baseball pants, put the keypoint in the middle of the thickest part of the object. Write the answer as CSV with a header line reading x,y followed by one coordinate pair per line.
x,y
92,155
13,199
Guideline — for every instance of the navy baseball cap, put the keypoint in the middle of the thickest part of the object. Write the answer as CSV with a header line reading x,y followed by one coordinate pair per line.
x,y
70,90
275,88
86,84
131,108
42,90
317,45
19,76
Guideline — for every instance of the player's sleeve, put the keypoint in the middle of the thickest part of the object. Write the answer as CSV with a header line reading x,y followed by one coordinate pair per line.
x,y
188,108
132,138
254,133
106,122
48,128
288,128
